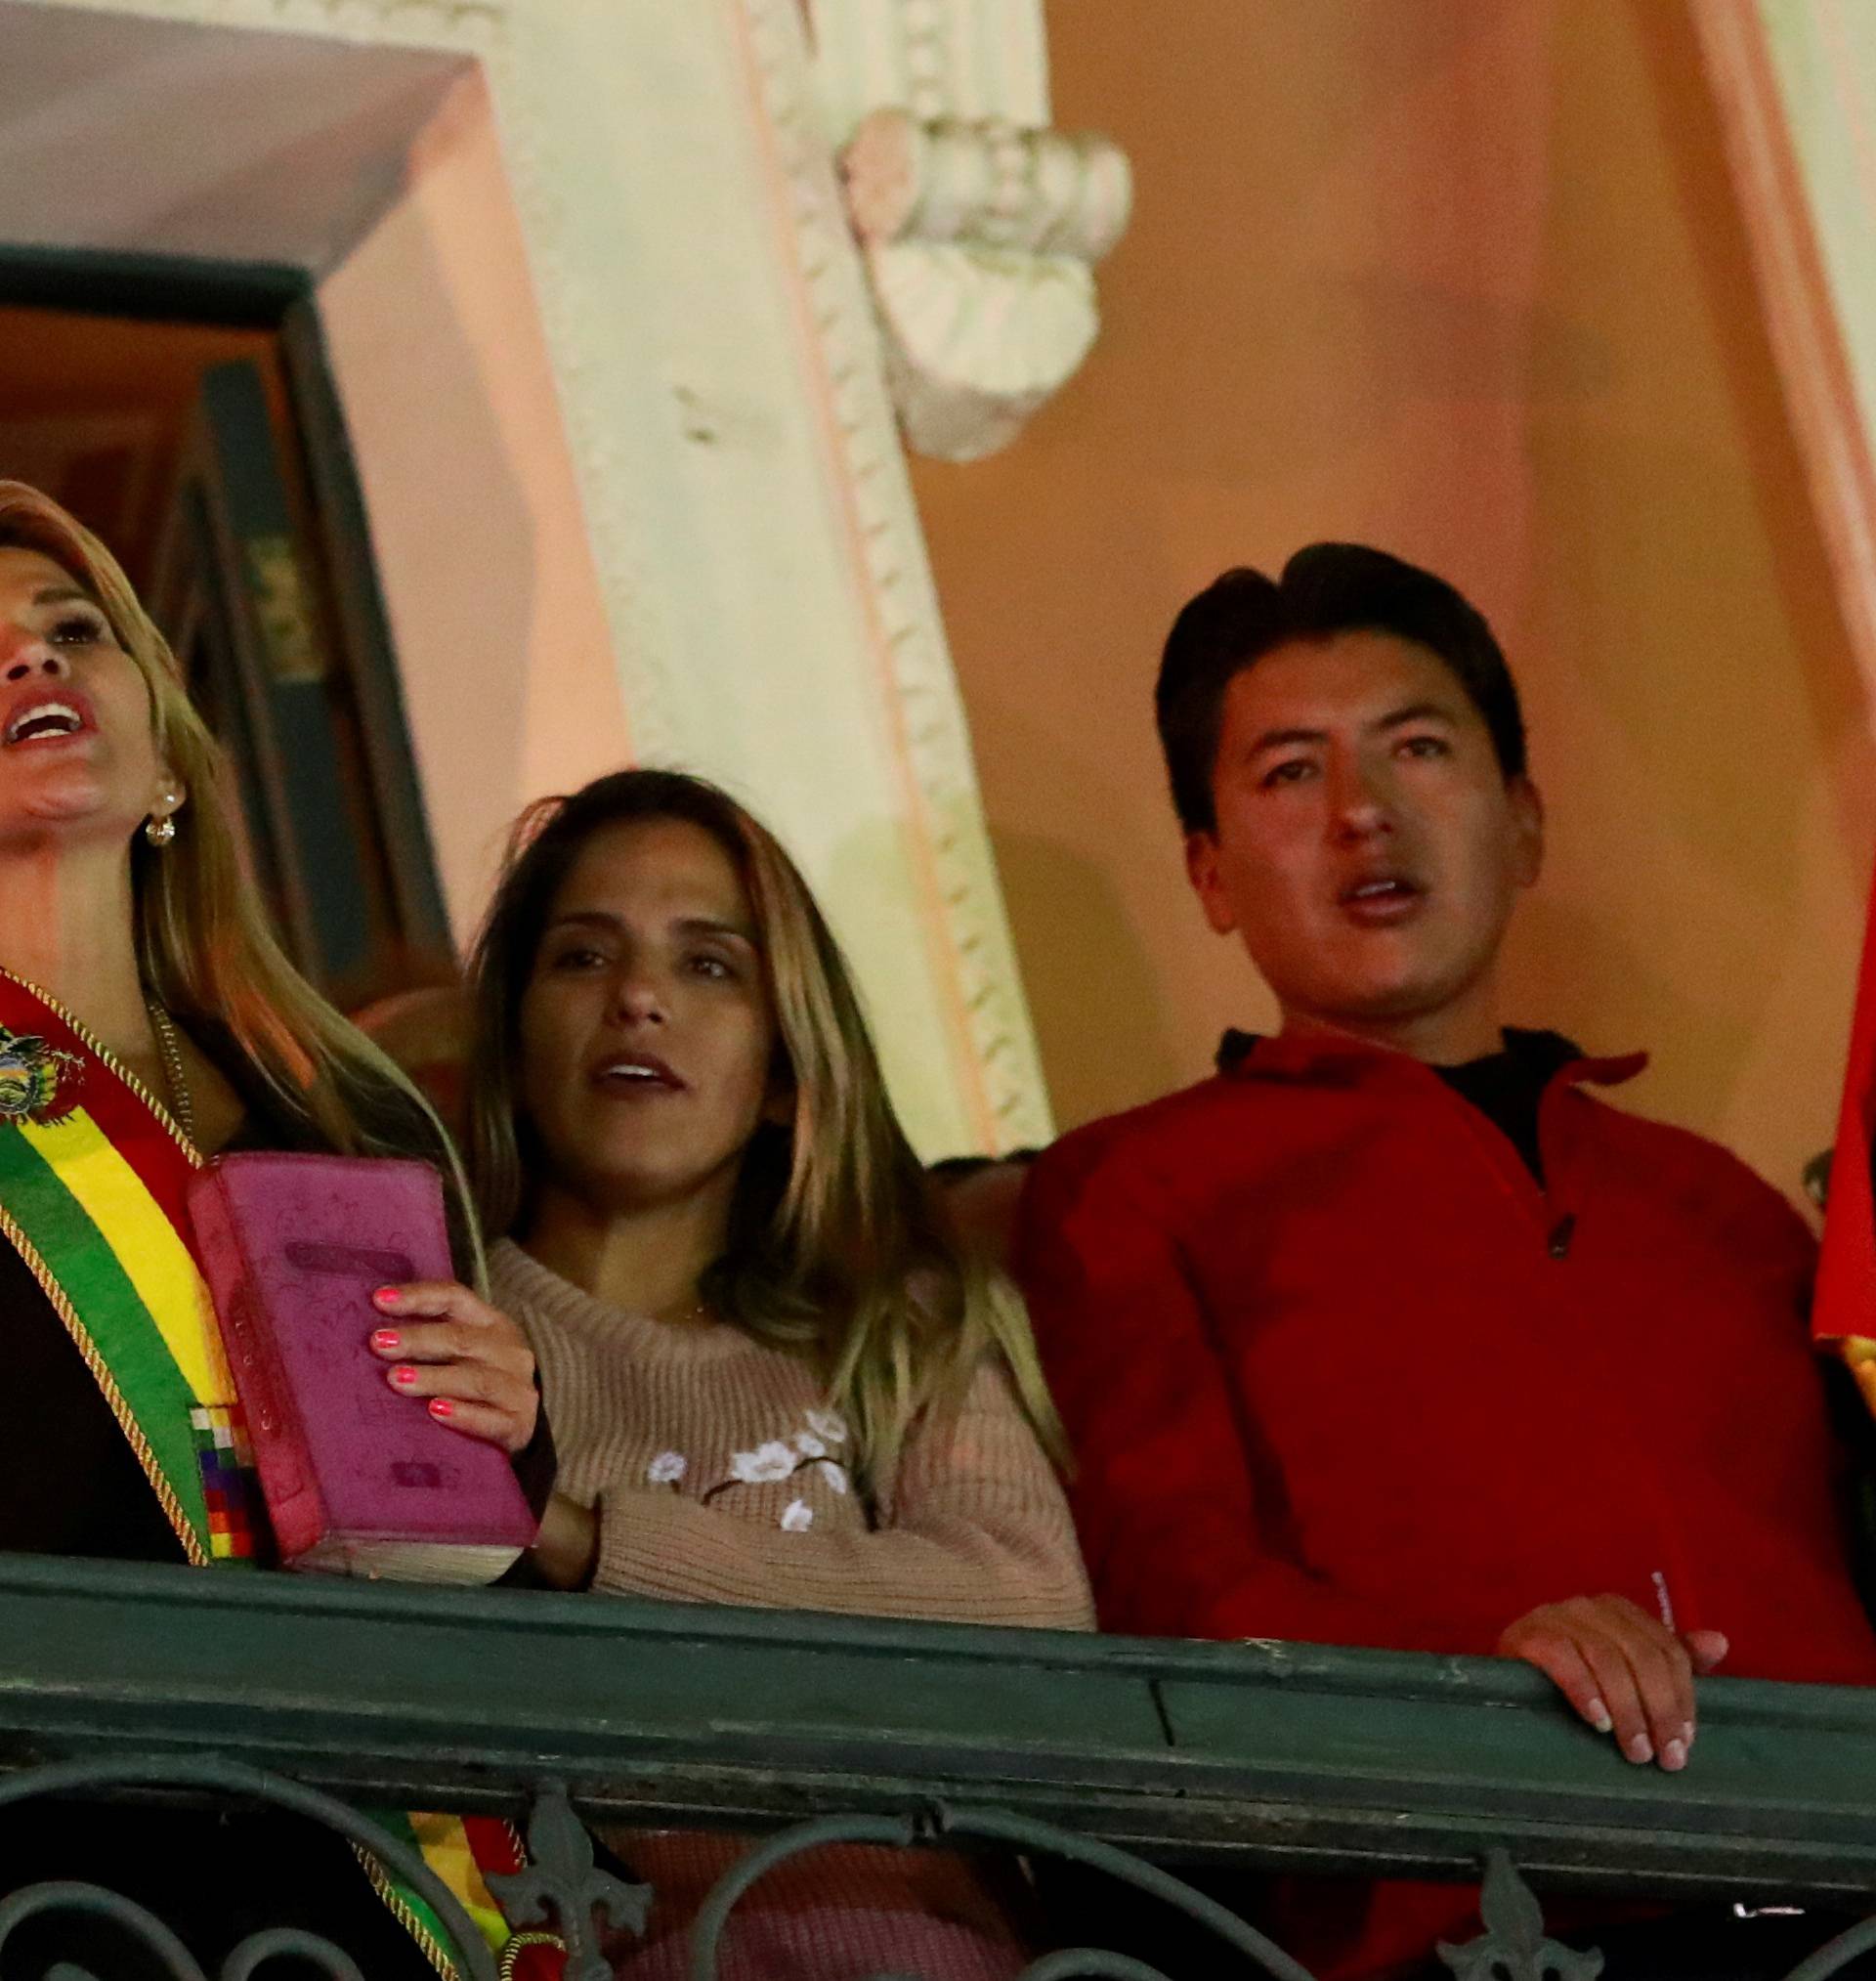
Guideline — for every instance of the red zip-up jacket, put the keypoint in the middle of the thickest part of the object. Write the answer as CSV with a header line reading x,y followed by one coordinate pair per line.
x,y
1335,1367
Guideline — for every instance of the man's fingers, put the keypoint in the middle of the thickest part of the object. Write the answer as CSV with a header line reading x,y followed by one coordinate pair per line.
x,y
1620,1613
1615,1681
1664,1681
1623,1671
1707,1649
1565,1665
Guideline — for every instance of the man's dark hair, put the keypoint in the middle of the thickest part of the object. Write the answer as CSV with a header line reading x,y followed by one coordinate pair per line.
x,y
1326,588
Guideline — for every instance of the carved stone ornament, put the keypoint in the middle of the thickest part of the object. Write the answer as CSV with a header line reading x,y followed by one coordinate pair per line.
x,y
980,236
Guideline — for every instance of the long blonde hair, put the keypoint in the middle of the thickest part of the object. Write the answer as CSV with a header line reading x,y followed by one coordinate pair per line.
x,y
837,1248
203,941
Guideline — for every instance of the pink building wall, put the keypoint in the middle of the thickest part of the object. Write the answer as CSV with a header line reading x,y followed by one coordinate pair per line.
x,y
1465,278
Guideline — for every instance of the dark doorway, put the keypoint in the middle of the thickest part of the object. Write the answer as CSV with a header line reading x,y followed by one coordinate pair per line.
x,y
186,413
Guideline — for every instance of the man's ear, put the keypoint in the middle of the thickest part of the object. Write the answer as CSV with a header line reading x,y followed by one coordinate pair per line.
x,y
1527,822
1202,870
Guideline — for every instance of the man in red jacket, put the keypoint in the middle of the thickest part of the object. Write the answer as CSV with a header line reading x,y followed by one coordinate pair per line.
x,y
1392,1333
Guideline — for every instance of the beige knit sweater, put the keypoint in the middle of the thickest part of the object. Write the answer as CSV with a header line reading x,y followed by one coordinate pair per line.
x,y
720,1475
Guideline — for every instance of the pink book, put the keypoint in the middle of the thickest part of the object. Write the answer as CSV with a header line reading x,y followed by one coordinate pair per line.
x,y
358,1480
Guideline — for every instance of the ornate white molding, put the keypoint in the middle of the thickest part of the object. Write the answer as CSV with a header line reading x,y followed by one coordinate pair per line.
x,y
732,449
586,351
980,240
463,24
972,59
1802,305
1022,191
932,735
981,229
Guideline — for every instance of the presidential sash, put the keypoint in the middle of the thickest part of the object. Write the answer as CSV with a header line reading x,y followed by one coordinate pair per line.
x,y
94,1172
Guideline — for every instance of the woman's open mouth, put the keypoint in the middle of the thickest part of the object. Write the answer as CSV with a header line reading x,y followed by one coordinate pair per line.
x,y
48,718
636,1073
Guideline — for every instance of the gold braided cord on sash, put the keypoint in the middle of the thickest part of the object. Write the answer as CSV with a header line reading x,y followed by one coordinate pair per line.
x,y
428,1945
518,1945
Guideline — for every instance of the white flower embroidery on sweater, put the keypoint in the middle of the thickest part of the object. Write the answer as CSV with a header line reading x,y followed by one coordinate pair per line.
x,y
797,1517
809,1446
667,1468
834,1475
764,1465
829,1425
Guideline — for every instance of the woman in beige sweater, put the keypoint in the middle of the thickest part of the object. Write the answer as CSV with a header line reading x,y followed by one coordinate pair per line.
x,y
773,1377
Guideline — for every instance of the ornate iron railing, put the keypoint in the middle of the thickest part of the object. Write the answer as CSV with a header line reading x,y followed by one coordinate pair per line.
x,y
332,1696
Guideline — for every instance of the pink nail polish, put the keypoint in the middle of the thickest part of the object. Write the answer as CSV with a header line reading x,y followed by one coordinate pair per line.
x,y
386,1339
441,1407
387,1296
405,1375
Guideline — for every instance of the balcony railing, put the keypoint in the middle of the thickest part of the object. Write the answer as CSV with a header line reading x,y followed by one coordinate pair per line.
x,y
1268,1755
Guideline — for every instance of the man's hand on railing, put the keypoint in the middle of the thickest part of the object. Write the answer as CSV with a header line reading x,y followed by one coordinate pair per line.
x,y
1625,1672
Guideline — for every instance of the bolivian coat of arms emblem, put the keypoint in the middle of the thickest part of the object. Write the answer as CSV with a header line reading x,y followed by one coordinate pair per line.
x,y
30,1075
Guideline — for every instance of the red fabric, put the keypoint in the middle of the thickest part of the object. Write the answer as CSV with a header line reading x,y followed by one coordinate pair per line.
x,y
1847,1271
1326,1380
495,1846
846,1913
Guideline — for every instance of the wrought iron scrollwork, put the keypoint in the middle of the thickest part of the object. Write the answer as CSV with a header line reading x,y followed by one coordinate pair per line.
x,y
68,1895
1513,1946
65,1895
253,1953
1835,1954
561,1876
464,1945
990,1825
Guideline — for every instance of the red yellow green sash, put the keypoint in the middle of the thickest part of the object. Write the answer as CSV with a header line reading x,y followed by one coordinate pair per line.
x,y
94,1173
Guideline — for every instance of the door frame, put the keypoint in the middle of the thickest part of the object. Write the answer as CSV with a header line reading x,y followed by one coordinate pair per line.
x,y
284,299
671,428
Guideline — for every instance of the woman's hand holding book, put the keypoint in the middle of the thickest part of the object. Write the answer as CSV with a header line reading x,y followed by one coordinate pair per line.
x,y
469,1361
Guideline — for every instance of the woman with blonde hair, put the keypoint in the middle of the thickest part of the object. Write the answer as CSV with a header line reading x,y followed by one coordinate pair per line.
x,y
775,1377
147,1021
